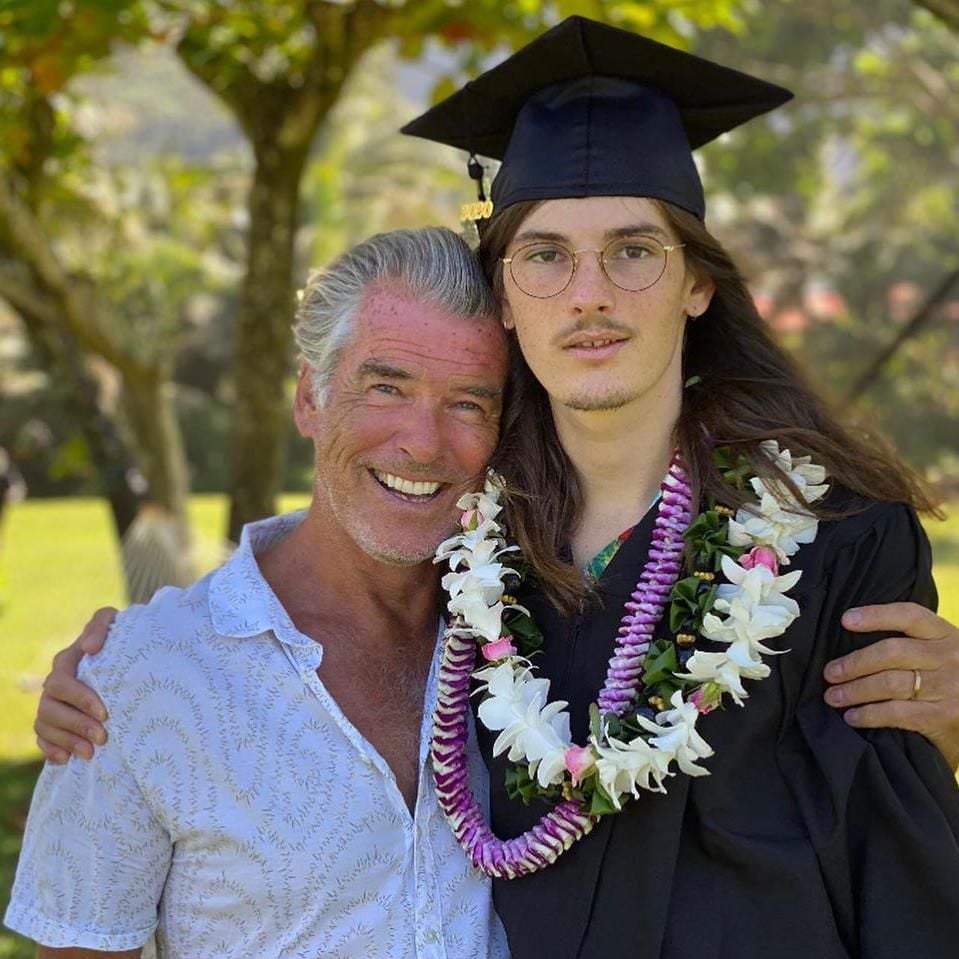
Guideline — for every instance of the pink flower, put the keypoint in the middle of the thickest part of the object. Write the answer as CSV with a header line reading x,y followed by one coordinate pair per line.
x,y
578,760
502,648
699,699
470,519
761,556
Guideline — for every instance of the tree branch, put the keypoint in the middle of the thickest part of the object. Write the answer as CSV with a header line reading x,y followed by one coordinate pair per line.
x,y
921,317
25,298
947,10
75,301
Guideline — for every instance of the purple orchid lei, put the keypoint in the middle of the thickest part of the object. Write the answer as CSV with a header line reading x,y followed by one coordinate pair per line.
x,y
645,609
627,749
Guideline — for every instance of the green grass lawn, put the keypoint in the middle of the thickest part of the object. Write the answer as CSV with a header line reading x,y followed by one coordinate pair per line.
x,y
58,562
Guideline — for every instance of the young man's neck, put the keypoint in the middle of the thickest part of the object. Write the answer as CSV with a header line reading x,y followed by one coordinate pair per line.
x,y
621,457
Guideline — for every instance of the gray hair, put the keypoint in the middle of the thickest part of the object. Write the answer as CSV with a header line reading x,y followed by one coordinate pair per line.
x,y
432,263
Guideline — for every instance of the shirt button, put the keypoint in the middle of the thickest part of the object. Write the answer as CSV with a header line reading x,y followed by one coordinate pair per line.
x,y
430,937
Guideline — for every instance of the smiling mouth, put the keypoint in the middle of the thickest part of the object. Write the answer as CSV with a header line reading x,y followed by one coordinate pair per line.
x,y
420,491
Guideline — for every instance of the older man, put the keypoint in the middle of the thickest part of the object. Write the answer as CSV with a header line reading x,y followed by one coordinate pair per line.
x,y
263,791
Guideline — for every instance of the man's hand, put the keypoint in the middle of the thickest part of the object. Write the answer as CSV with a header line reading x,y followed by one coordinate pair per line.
x,y
70,714
880,680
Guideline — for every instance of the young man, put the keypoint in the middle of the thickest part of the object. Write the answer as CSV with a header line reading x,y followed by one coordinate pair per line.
x,y
264,790
637,349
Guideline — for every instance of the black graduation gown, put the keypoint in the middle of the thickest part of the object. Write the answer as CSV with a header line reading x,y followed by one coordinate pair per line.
x,y
808,839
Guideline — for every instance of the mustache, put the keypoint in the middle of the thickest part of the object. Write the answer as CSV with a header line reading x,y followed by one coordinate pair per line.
x,y
591,323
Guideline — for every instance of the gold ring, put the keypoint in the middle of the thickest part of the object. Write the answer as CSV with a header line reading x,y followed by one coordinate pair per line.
x,y
916,683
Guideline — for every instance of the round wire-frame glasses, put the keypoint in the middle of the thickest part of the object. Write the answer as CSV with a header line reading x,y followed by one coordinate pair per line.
x,y
542,269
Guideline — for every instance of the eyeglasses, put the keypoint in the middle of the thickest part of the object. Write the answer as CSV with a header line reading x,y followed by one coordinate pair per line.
x,y
633,263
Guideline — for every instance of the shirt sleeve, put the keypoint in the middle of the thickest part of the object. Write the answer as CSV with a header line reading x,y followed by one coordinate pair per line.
x,y
94,857
881,806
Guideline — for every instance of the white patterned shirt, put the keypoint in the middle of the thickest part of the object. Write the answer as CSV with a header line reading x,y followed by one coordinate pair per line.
x,y
235,811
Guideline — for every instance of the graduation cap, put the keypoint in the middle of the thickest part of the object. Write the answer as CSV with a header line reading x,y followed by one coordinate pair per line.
x,y
590,110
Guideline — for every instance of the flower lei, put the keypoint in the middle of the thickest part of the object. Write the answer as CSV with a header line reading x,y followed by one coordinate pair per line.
x,y
645,718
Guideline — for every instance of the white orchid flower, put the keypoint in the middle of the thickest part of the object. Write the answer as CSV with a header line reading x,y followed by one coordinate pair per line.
x,y
805,475
552,767
535,734
675,734
779,521
461,547
623,768
483,620
776,528
724,671
755,609
545,741
484,581
510,690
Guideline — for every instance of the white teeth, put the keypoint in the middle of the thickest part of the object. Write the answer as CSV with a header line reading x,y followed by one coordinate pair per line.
x,y
406,486
592,344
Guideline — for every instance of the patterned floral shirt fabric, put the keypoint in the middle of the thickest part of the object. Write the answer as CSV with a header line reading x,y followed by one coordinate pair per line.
x,y
235,811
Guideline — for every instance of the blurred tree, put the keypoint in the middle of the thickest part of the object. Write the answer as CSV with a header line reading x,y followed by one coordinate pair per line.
x,y
280,68
847,200
45,273
104,267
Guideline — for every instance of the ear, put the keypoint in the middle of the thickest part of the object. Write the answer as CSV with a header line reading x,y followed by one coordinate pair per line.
x,y
699,297
506,315
305,408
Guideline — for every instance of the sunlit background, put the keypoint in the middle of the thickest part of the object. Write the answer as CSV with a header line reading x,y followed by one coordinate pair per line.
x,y
171,170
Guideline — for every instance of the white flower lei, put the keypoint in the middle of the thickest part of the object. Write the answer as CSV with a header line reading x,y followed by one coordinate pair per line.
x,y
749,610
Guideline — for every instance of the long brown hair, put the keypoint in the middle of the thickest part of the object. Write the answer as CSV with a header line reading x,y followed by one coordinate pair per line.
x,y
748,390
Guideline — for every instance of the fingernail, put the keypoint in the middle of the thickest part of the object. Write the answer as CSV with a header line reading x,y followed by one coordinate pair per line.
x,y
834,697
852,617
98,712
833,672
97,735
851,716
59,759
84,751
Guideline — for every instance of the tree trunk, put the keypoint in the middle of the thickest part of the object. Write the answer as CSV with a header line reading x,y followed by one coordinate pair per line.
x,y
948,10
263,341
148,405
157,549
79,392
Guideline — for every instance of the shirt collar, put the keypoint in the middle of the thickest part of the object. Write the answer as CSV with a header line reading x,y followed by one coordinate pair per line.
x,y
242,604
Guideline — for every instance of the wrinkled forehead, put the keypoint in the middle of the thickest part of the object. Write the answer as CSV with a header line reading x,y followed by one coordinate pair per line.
x,y
399,328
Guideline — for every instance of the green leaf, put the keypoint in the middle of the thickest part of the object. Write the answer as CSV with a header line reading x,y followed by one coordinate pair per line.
x,y
661,662
595,722
519,785
600,803
684,604
523,628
